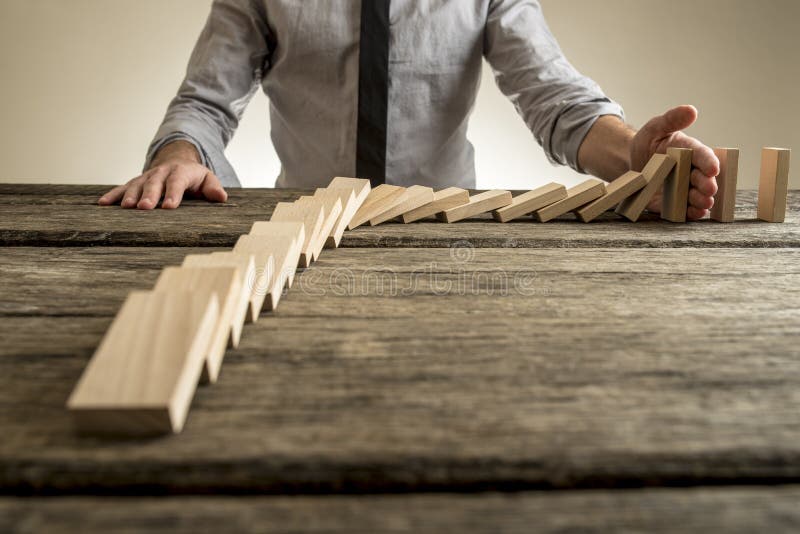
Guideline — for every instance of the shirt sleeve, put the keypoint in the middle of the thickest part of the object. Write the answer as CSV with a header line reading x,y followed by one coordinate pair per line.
x,y
559,104
225,70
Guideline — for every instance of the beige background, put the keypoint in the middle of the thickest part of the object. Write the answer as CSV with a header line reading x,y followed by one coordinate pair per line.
x,y
85,83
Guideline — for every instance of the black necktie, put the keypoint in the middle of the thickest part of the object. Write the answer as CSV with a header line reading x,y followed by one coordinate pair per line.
x,y
373,91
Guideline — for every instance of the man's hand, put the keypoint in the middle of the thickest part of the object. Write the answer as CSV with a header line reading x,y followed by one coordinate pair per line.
x,y
665,132
175,170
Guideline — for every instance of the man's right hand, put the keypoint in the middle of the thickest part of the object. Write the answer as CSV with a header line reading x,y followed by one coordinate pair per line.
x,y
175,170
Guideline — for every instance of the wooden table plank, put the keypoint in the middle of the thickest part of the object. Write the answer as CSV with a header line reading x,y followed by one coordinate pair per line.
x,y
613,368
27,273
75,220
730,510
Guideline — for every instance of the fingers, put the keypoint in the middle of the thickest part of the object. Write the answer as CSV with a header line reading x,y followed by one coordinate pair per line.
x,y
695,214
212,189
177,183
113,196
133,191
170,180
701,195
699,200
672,121
153,188
703,158
704,183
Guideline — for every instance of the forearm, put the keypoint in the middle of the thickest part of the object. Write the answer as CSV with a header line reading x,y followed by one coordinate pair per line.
x,y
606,149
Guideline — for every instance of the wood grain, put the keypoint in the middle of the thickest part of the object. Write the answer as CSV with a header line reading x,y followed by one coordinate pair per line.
x,y
731,510
412,404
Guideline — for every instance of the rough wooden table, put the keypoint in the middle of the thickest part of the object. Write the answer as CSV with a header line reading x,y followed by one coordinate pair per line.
x,y
474,376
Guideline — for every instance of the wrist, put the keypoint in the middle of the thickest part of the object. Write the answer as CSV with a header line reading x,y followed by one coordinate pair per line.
x,y
179,150
606,151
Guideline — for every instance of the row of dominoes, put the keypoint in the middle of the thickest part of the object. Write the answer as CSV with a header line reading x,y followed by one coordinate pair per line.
x,y
142,378
630,194
163,342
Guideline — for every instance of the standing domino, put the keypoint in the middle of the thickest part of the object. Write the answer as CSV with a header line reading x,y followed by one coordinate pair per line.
x,y
725,199
774,184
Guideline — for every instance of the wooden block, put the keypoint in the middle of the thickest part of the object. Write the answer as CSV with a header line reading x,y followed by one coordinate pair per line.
x,y
285,266
531,201
270,256
245,263
349,207
676,186
360,187
655,172
617,191
442,200
143,376
417,196
332,207
773,186
482,203
225,284
379,200
281,242
725,200
312,215
577,196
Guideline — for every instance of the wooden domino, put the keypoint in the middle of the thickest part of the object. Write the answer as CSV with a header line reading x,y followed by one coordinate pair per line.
x,y
655,172
531,201
617,191
378,201
245,263
280,241
352,192
725,200
416,197
225,284
360,187
476,205
285,263
312,215
332,207
773,187
442,200
577,196
349,207
143,376
676,186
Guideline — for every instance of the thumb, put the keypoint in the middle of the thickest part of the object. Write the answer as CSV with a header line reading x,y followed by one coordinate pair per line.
x,y
212,189
672,121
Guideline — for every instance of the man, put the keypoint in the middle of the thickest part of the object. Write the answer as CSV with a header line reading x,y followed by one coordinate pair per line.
x,y
383,89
